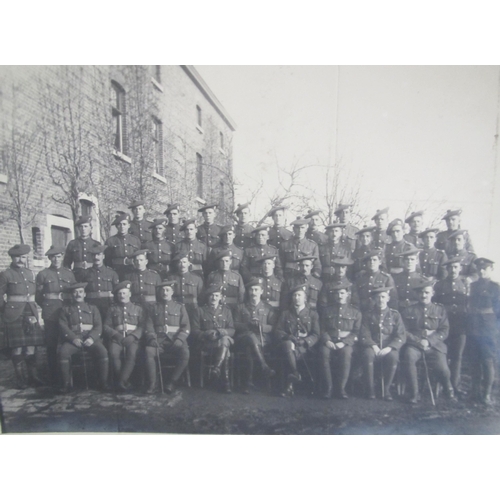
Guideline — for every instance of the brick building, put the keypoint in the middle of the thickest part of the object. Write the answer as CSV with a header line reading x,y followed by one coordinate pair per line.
x,y
88,139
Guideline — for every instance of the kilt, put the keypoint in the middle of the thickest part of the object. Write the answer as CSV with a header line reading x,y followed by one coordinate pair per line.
x,y
21,332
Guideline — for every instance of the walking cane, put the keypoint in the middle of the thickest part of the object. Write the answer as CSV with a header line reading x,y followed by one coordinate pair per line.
x,y
428,379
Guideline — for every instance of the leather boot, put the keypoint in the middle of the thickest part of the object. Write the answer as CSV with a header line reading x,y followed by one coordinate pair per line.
x,y
327,376
104,374
221,355
266,370
226,384
370,383
151,374
33,377
248,372
17,361
65,376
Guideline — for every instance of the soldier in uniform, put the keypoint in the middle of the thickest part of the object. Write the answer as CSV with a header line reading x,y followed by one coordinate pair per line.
x,y
144,281
159,249
382,336
415,221
427,328
121,246
431,259
329,289
278,233
458,241
196,250
313,232
452,292
484,320
335,247
396,247
167,330
364,247
249,265
80,325
123,328
344,213
407,280
297,331
340,325
243,230
208,232
50,284
380,236
226,243
297,246
313,285
213,331
139,226
173,228
254,321
20,315
271,284
78,250
452,219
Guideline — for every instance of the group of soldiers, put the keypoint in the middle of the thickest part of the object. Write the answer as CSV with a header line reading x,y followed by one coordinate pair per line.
x,y
316,301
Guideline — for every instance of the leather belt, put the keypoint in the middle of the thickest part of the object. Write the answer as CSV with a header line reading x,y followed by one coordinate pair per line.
x,y
395,270
21,298
99,295
147,298
55,296
121,261
127,327
196,267
82,265
167,329
83,327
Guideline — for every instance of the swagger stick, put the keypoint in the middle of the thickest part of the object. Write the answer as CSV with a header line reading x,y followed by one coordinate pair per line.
x,y
428,379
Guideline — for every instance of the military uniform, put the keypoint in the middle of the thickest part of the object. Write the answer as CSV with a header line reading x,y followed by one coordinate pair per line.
x,y
188,287
271,286
237,256
243,235
173,233
313,288
327,253
414,239
249,265
393,261
317,236
294,248
381,239
277,235
326,296
119,251
432,263
467,259
141,229
197,252
144,285
79,256
349,236
444,243
405,283
100,284
159,256
208,234
358,255
231,284
366,282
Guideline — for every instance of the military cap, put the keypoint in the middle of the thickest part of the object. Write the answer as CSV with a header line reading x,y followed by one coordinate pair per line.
x,y
97,249
393,224
225,229
141,251
341,285
451,213
185,223
122,285
213,289
380,212
254,282
239,208
225,253
19,249
424,284
208,205
170,283
311,213
483,262
366,229
157,222
263,227
265,257
120,218
413,251
299,288
74,286
456,233
428,230
305,257
413,215
453,260
275,209
342,260
54,251
136,203
178,256
335,224
300,222
381,289
170,207
373,253
341,207
84,219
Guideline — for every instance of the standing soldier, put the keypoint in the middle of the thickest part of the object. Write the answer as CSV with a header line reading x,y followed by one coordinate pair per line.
x,y
297,246
452,219
80,325
143,280
427,328
458,241
380,236
20,315
121,246
50,284
139,226
254,321
335,247
167,330
243,230
78,250
415,221
278,232
213,331
313,285
208,232
313,232
396,247
226,243
407,280
452,293
364,247
344,213
271,284
329,289
196,250
159,249
382,336
431,259
173,229
123,328
259,249
340,325
484,319
297,331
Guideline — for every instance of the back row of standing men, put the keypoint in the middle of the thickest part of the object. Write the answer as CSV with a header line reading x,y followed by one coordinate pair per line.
x,y
168,285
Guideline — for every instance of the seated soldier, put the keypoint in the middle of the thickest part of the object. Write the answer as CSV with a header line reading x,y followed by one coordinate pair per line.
x,y
123,328
167,330
80,327
212,329
297,331
340,324
254,321
382,336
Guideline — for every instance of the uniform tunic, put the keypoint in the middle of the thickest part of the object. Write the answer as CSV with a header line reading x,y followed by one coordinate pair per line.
x,y
237,256
243,237
123,320
330,251
303,325
208,234
340,323
159,256
271,286
467,259
251,268
197,251
141,229
393,262
232,286
443,243
118,255
50,283
317,236
188,288
247,314
277,235
414,239
383,328
366,282
100,284
405,282
381,239
294,248
173,233
327,293
349,236
452,294
144,285
80,321
205,318
313,289
167,321
431,263
77,255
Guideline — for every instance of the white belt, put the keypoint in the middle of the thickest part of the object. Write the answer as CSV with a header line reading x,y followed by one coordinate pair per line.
x,y
21,298
127,327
